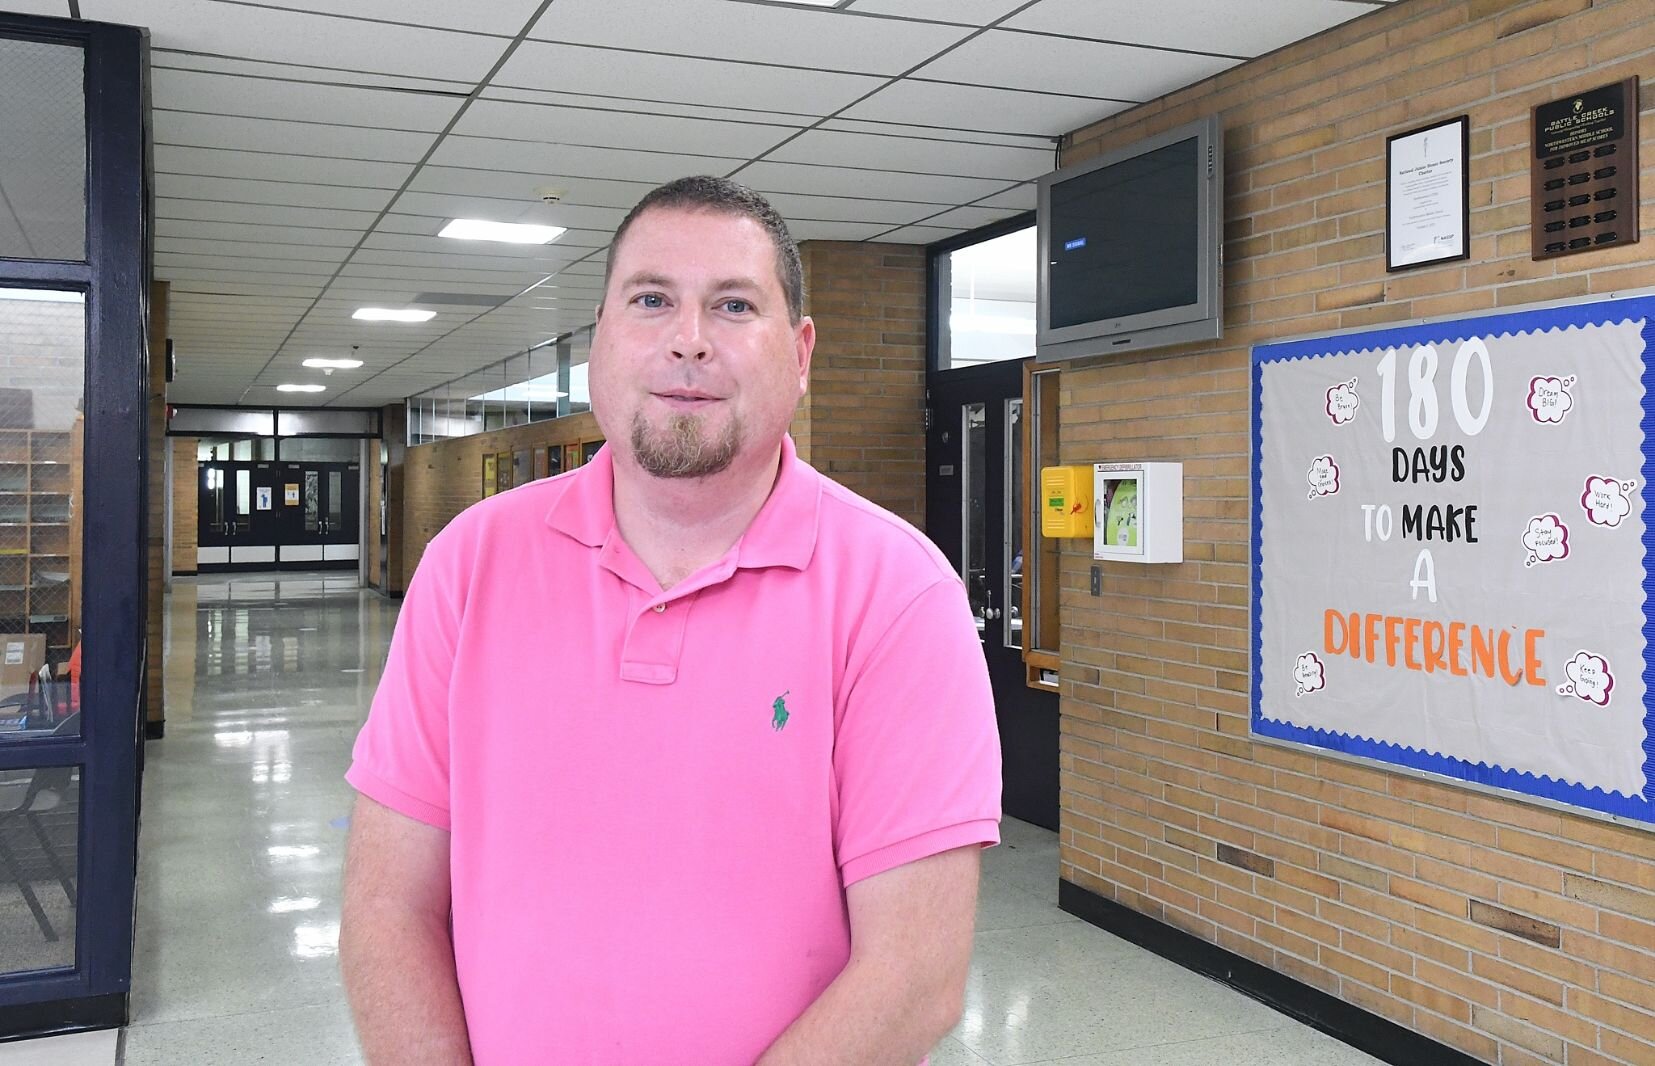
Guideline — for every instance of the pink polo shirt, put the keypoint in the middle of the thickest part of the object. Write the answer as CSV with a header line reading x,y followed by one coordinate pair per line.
x,y
656,799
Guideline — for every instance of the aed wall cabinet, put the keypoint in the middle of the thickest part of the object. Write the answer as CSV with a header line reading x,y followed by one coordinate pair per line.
x,y
1138,512
1065,501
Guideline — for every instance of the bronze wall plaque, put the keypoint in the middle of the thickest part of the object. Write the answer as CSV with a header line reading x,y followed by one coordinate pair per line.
x,y
1583,184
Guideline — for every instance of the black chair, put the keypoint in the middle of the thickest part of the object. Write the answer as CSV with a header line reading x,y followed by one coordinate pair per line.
x,y
34,708
25,800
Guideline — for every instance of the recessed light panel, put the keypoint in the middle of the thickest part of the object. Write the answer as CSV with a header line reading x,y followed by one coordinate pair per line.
x,y
393,314
333,364
477,229
301,388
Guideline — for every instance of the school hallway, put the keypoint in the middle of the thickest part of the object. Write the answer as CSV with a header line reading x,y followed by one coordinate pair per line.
x,y
243,830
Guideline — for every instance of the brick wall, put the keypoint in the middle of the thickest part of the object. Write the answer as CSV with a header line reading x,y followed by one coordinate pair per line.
x,y
863,422
186,501
1516,933
440,480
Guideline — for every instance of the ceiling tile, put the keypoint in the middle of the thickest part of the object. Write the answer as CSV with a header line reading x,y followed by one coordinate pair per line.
x,y
295,138
686,79
969,217
678,108
250,32
54,8
253,191
1221,26
769,177
305,101
618,129
937,133
238,231
1022,198
919,235
218,162
263,214
972,12
511,185
929,103
489,153
955,158
1078,68
500,17
162,58
794,206
767,34
835,231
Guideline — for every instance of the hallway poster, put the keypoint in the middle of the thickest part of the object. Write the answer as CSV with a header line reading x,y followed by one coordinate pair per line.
x,y
1448,546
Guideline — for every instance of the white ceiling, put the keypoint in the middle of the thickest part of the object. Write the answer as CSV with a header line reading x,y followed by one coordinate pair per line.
x,y
307,151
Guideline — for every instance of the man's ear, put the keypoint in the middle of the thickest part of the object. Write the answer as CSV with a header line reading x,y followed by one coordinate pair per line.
x,y
804,344
597,313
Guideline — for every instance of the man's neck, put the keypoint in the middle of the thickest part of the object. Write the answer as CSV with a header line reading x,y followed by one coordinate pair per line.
x,y
676,526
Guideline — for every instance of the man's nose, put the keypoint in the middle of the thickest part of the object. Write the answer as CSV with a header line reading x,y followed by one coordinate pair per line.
x,y
690,338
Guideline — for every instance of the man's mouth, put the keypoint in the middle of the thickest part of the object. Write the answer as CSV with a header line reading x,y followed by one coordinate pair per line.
x,y
694,397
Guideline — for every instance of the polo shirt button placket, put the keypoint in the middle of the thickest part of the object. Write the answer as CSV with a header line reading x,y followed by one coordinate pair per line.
x,y
660,608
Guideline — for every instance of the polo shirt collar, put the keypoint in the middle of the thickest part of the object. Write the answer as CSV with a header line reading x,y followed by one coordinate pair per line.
x,y
783,533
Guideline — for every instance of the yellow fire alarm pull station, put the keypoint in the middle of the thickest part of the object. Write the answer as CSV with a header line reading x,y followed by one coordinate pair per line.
x,y
1065,501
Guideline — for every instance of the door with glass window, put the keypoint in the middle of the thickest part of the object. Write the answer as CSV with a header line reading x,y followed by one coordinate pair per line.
x,y
975,503
320,504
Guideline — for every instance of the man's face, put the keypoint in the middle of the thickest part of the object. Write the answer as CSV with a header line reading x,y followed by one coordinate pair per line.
x,y
694,363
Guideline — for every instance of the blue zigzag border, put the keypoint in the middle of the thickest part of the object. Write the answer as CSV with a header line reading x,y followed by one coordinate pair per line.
x,y
1638,808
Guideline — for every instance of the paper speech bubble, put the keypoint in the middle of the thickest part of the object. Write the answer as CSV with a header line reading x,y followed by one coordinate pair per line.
x,y
1323,476
1589,679
1309,674
1549,398
1606,500
1342,402
1547,539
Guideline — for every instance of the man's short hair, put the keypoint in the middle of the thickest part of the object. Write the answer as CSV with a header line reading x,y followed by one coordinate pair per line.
x,y
704,192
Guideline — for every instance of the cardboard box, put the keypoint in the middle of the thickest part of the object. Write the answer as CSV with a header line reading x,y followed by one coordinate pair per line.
x,y
21,657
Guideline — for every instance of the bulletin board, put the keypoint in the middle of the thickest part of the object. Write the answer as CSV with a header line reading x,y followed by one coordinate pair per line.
x,y
1449,565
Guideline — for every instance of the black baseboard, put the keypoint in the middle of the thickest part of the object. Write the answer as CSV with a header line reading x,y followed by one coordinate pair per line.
x,y
28,1020
1383,1039
155,730
183,573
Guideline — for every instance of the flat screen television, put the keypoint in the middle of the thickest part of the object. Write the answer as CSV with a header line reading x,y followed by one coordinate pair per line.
x,y
1131,247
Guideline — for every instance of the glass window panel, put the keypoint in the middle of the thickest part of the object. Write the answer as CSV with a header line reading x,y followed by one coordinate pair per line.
x,y
39,867
43,335
244,492
1012,520
43,164
336,499
989,301
321,450
313,501
973,516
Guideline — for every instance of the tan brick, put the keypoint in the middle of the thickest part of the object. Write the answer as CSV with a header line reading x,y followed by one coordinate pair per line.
x,y
1515,1032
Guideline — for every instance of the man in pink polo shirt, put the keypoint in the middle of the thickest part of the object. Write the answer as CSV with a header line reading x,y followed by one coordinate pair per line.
x,y
685,756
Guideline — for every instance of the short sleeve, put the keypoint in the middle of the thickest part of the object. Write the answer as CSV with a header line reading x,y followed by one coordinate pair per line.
x,y
917,755
401,754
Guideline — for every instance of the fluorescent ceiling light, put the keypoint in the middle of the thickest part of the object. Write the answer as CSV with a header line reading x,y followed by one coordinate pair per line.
x,y
477,229
301,388
815,3
393,314
50,295
333,364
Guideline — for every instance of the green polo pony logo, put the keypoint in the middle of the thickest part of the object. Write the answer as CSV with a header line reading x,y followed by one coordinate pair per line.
x,y
779,715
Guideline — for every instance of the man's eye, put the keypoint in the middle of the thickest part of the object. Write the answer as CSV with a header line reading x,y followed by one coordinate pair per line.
x,y
651,300
737,307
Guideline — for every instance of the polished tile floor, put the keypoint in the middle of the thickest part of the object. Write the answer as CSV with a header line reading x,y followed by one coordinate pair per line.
x,y
268,678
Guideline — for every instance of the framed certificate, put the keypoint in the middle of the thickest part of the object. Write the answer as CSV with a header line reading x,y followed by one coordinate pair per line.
x,y
1427,212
